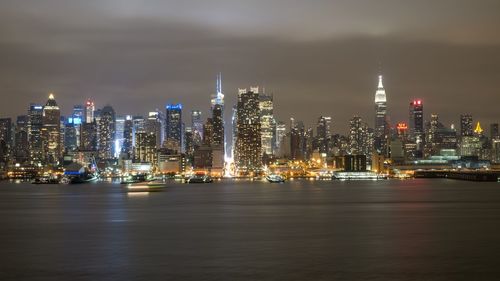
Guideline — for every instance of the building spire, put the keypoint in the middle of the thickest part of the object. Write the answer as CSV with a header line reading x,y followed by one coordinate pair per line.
x,y
380,84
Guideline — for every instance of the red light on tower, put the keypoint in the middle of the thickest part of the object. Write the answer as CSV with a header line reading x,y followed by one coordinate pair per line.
x,y
402,126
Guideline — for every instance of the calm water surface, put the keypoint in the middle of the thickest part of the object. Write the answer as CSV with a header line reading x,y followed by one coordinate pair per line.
x,y
300,230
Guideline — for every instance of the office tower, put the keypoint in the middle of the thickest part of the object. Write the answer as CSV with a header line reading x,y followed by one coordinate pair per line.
x,y
218,126
197,127
88,137
323,133
119,135
248,156
21,153
70,135
268,124
174,125
381,124
189,141
156,124
145,149
5,140
297,137
106,127
416,126
51,131
360,137
218,96
139,126
234,126
466,125
89,111
494,133
280,134
208,129
35,124
128,137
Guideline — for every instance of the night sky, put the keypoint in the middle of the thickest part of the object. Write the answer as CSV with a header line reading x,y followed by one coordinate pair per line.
x,y
317,57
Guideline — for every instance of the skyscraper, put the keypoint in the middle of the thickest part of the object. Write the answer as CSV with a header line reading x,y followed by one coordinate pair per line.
x,y
35,124
21,154
381,124
106,127
494,131
174,124
51,131
466,128
89,111
268,124
280,134
128,137
156,124
323,133
5,140
360,141
416,125
197,127
248,154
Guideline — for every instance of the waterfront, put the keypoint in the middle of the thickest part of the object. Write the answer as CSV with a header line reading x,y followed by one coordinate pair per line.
x,y
418,229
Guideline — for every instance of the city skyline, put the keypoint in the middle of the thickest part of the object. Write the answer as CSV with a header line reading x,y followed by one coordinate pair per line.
x,y
141,55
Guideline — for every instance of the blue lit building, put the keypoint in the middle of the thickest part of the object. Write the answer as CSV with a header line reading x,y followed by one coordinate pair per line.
x,y
173,128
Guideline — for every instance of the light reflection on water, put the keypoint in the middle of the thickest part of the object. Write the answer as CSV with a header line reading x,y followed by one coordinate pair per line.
x,y
240,230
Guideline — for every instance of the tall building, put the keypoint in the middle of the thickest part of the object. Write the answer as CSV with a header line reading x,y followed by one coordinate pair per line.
x,y
280,134
268,124
21,153
197,127
174,124
218,96
156,124
416,126
71,133
494,133
106,126
323,133
248,156
145,149
297,140
51,131
218,125
119,135
466,128
89,111
360,139
128,137
88,137
381,124
35,124
5,140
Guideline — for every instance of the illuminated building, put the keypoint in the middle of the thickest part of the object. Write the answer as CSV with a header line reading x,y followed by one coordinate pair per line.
x,y
174,124
494,131
128,137
360,137
268,124
156,124
416,126
21,154
208,129
470,146
70,135
139,126
466,125
119,135
77,118
35,124
248,153
381,124
51,131
89,111
88,137
280,134
189,142
106,127
218,126
145,149
323,133
5,140
297,140
197,127
495,150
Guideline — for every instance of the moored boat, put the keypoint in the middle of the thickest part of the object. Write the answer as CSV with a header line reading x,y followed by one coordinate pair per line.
x,y
275,178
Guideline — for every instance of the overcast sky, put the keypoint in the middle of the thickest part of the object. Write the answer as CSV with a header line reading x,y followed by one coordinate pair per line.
x,y
317,57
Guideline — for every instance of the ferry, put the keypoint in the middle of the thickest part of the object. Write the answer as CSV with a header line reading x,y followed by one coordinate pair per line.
x,y
152,186
275,178
357,176
199,178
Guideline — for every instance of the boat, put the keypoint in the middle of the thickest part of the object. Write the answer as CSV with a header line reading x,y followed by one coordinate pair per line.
x,y
275,178
151,186
46,180
83,178
358,176
139,178
199,178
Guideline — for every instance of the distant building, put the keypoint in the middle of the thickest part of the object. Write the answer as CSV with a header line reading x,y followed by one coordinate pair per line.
x,y
35,124
145,149
5,140
21,153
323,133
466,125
106,127
416,126
381,123
248,153
360,137
268,124
88,137
89,111
174,124
51,132
197,127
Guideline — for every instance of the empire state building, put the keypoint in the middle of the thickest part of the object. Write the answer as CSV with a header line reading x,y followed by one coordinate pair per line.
x,y
381,124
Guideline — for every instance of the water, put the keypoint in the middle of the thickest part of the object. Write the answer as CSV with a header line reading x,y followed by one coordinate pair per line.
x,y
301,230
